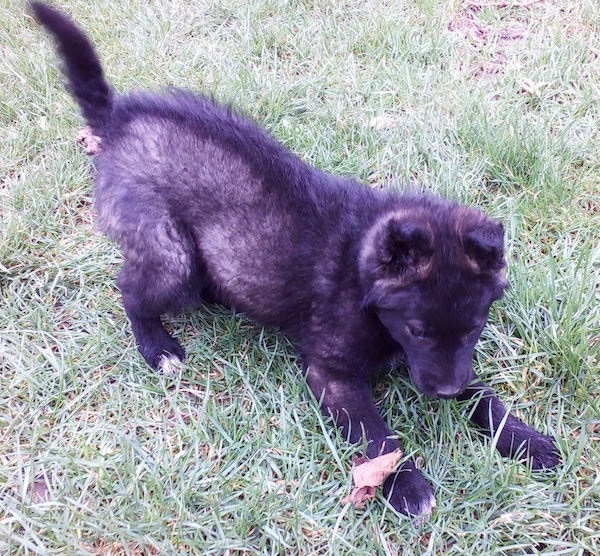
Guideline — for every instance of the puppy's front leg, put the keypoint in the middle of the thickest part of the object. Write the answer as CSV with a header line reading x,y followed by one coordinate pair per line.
x,y
515,439
348,399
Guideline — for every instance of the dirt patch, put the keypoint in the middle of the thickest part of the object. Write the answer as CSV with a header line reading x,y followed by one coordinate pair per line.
x,y
514,27
10,176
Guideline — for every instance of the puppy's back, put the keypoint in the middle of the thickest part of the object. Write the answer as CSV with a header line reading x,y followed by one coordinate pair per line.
x,y
179,173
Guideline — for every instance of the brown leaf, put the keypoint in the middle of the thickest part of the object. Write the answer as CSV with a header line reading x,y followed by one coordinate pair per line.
x,y
533,88
90,142
39,490
360,496
370,474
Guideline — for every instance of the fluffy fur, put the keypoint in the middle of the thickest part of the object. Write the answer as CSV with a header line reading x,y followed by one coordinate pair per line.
x,y
207,207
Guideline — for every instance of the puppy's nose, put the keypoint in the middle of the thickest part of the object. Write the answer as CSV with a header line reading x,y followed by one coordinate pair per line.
x,y
449,391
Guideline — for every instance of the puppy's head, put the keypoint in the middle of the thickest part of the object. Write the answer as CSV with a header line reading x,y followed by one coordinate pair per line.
x,y
431,273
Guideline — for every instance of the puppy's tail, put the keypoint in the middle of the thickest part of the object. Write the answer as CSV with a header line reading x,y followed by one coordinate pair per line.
x,y
81,66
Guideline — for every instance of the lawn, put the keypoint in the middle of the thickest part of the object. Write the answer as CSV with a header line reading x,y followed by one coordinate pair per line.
x,y
495,103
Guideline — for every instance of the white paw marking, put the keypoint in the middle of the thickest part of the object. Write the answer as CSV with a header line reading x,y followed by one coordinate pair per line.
x,y
170,365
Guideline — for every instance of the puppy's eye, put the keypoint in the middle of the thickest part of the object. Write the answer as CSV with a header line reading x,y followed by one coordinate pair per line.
x,y
417,331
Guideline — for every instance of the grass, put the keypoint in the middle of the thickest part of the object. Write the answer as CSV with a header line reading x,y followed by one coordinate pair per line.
x,y
494,103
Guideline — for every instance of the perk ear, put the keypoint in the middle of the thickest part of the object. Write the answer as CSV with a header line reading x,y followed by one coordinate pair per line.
x,y
404,250
484,247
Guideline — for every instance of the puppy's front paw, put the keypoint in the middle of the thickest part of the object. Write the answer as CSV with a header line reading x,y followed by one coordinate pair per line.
x,y
520,441
541,451
409,493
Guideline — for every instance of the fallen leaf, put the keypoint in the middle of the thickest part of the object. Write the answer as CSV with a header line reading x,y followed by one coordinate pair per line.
x,y
370,474
532,87
39,490
90,142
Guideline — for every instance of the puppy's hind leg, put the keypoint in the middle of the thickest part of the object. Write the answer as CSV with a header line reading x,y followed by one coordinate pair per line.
x,y
154,282
160,350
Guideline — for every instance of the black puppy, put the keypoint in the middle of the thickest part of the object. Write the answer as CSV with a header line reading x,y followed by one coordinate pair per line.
x,y
206,206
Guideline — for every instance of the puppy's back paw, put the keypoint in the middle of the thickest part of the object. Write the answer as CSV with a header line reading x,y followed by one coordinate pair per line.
x,y
170,365
161,351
